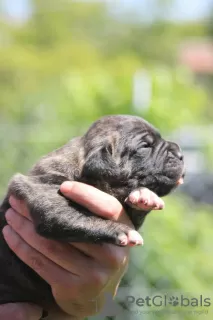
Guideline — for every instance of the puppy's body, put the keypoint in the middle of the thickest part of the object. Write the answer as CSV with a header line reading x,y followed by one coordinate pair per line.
x,y
118,154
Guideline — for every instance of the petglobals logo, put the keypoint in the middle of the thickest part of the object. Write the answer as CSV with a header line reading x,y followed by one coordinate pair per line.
x,y
159,300
137,301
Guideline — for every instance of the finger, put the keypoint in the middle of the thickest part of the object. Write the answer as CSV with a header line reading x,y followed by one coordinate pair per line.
x,y
62,254
24,311
114,257
66,286
48,270
95,200
20,207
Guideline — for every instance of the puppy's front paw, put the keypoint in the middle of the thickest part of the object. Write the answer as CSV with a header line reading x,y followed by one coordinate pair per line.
x,y
144,199
131,239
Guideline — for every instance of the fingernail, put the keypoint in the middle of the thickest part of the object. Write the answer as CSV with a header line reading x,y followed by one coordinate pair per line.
x,y
6,231
66,186
9,215
15,203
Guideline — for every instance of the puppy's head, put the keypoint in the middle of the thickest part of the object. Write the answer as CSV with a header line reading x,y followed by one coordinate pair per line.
x,y
122,153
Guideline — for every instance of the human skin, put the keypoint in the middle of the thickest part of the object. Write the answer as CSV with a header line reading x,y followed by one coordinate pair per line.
x,y
79,274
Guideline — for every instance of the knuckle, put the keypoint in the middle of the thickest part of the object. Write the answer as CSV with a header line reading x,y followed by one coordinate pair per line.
x,y
50,246
16,244
116,261
37,264
116,257
99,279
17,222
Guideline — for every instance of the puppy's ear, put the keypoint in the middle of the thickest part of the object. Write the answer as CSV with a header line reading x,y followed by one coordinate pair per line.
x,y
100,164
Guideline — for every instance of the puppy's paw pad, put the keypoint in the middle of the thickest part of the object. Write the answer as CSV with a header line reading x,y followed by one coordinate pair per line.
x,y
134,238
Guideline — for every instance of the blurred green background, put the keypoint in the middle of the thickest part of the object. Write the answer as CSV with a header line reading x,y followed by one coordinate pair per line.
x,y
64,64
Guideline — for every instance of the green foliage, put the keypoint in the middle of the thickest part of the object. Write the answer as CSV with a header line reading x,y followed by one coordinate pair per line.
x,y
176,100
177,253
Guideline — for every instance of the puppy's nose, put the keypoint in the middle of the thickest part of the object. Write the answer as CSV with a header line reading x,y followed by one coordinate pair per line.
x,y
175,149
179,155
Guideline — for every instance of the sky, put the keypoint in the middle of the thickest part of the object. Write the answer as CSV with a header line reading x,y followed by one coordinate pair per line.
x,y
183,9
191,9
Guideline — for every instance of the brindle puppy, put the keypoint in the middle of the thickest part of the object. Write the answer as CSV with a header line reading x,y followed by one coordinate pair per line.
x,y
122,155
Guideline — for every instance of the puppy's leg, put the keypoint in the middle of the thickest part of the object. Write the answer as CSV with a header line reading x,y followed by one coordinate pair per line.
x,y
59,218
139,203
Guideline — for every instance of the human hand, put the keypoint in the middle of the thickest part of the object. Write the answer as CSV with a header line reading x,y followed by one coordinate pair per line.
x,y
77,273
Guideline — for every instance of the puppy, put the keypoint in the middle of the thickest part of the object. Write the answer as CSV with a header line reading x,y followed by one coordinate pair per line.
x,y
122,155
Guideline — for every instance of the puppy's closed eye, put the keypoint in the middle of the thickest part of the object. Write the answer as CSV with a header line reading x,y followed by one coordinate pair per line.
x,y
148,142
